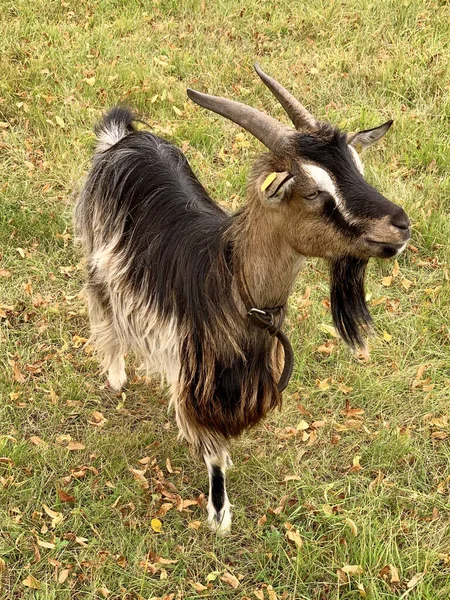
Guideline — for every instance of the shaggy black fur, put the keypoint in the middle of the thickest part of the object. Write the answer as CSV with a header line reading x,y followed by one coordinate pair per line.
x,y
348,305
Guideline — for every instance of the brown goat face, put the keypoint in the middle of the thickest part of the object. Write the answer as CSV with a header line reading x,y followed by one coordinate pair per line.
x,y
329,206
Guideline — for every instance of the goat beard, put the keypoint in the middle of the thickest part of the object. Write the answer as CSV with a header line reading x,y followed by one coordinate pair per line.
x,y
351,316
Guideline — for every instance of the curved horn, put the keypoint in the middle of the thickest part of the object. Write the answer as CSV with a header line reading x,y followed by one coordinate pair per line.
x,y
298,114
273,134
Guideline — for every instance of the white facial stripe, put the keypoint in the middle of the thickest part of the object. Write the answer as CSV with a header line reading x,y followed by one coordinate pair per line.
x,y
323,181
325,184
357,160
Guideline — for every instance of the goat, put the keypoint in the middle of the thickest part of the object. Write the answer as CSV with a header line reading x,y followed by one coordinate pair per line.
x,y
173,277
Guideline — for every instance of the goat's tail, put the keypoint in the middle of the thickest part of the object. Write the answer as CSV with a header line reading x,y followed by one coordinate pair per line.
x,y
115,125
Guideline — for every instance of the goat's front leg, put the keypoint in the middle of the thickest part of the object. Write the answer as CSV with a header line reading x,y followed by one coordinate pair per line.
x,y
219,513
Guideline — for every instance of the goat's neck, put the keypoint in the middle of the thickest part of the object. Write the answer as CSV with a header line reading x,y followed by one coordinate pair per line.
x,y
267,264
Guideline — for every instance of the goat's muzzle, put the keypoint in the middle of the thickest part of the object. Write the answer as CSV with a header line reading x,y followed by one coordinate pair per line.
x,y
389,236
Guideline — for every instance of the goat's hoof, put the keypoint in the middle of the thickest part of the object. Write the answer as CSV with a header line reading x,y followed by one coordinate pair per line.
x,y
220,522
116,383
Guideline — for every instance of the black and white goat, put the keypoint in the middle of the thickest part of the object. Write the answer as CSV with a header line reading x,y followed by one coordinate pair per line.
x,y
172,277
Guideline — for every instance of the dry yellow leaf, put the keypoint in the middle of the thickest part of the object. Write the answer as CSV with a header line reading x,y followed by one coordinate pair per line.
x,y
74,446
198,587
32,583
156,525
352,525
261,520
294,536
386,281
356,465
329,329
395,270
415,580
43,544
37,441
394,574
302,425
230,579
271,593
387,337
353,569
406,283
63,575
140,477
323,384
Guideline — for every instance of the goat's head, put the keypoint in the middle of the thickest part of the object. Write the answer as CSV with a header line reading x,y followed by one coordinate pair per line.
x,y
312,182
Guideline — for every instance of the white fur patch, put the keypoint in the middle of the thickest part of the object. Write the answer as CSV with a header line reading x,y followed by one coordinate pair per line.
x,y
111,135
323,181
357,160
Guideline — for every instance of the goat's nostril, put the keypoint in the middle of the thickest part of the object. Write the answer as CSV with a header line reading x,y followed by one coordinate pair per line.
x,y
401,220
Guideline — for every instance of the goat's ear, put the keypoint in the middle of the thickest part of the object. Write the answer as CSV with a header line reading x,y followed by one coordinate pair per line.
x,y
369,136
275,186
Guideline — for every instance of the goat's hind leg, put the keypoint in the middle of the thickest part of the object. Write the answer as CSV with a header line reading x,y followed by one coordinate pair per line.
x,y
105,338
219,508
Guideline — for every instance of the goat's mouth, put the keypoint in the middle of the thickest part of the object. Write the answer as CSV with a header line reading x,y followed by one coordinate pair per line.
x,y
385,249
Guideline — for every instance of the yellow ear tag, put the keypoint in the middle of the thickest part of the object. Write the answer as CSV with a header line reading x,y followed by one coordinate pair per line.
x,y
268,180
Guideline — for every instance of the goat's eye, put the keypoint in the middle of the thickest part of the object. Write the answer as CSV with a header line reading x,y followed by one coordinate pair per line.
x,y
312,196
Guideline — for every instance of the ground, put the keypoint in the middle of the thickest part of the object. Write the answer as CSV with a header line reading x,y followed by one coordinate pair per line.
x,y
342,494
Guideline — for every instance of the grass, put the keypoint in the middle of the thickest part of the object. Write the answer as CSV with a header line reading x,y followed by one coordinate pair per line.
x,y
353,63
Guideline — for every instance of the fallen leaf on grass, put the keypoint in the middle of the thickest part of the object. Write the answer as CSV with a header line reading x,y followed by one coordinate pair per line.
x,y
97,419
32,583
261,520
104,591
386,281
64,496
2,565
37,441
294,536
352,569
439,435
259,594
329,329
18,376
194,525
352,525
74,446
356,466
415,580
140,478
63,575
406,283
230,579
394,574
376,482
56,517
5,273
271,593
60,122
44,544
156,525
198,587
324,384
